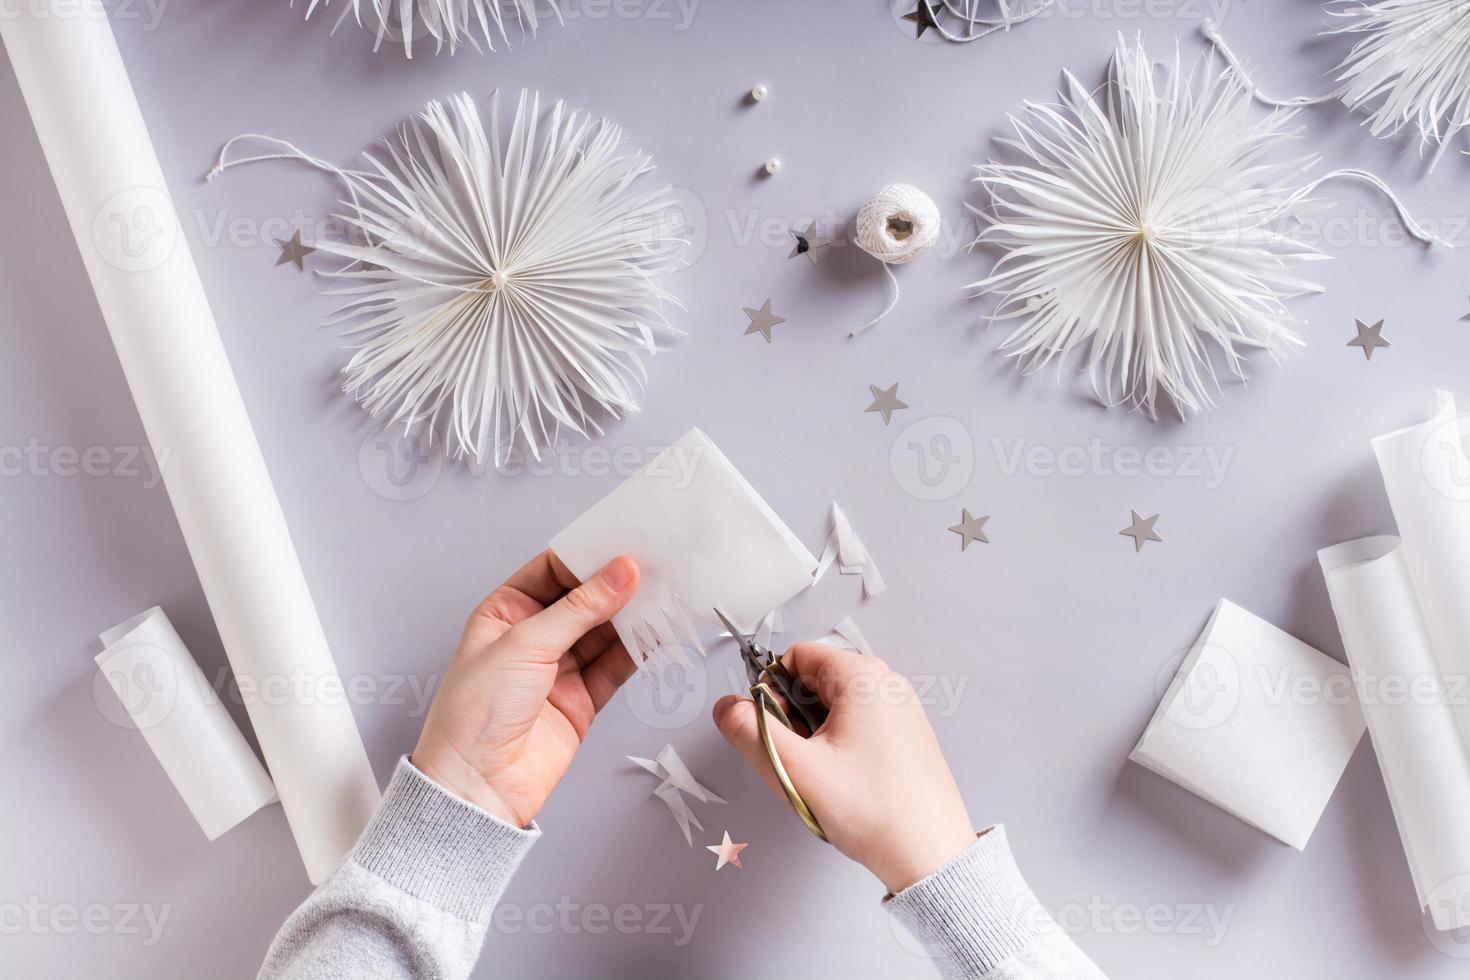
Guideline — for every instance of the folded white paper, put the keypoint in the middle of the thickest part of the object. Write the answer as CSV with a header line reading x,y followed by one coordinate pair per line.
x,y
702,538
1256,722
846,636
1403,608
676,780
184,722
851,555
148,289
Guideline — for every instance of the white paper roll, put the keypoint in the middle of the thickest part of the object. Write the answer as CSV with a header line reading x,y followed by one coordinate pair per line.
x,y
184,722
1403,609
131,241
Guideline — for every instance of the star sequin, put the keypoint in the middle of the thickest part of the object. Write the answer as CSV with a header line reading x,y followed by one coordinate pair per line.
x,y
762,320
293,251
922,17
727,851
885,400
1368,338
807,242
970,529
1141,530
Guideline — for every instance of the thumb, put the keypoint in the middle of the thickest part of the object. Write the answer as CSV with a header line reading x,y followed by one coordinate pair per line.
x,y
735,717
553,630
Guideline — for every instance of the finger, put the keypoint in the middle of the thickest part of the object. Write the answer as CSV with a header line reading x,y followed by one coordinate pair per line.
x,y
827,671
607,673
544,578
554,631
735,717
495,614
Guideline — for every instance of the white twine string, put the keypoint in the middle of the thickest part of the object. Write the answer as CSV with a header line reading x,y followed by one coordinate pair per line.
x,y
1212,34
1412,226
971,19
895,226
298,155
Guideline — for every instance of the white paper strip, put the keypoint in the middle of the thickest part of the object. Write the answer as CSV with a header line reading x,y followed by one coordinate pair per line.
x,y
132,244
1256,722
1401,604
184,722
851,555
702,538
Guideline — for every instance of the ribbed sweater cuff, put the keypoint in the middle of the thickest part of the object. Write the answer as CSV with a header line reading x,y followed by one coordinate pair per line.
x,y
437,847
975,912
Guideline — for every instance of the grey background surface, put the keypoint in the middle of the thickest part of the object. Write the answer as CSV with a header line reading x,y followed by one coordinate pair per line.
x,y
1057,631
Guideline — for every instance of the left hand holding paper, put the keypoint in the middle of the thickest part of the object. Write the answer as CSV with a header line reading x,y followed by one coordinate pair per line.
x,y
537,661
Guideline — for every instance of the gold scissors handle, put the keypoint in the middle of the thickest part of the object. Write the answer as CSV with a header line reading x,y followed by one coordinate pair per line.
x,y
765,700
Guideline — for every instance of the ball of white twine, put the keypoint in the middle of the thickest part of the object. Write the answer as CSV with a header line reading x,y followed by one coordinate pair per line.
x,y
898,224
895,226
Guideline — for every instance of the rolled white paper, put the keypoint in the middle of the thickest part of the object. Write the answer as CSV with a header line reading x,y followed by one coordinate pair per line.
x,y
1400,604
131,241
184,722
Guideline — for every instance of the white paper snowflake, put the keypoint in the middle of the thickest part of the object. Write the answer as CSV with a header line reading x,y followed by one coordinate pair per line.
x,y
1149,224
501,281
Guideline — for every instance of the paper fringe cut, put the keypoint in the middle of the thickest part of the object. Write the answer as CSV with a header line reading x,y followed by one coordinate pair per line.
x,y
1148,225
448,23
846,636
769,625
1408,68
676,780
500,281
702,537
850,554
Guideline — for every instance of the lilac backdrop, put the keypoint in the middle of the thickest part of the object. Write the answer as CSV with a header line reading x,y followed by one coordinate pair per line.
x,y
1044,649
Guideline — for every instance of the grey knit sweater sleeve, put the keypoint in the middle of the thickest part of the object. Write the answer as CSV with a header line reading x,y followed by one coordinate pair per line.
x,y
978,919
415,896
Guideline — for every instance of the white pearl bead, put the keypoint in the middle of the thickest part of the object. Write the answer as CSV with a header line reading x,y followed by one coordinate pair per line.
x,y
758,94
772,167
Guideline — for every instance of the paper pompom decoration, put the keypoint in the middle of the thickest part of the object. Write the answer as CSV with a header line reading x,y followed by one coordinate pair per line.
x,y
1148,224
502,280
1410,67
442,23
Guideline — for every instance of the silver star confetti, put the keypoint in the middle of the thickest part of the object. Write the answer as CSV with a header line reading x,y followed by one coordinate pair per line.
x,y
922,18
807,242
762,320
294,252
970,529
885,400
1369,338
1141,530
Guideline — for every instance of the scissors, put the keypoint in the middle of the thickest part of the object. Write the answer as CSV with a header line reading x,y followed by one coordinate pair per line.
x,y
764,670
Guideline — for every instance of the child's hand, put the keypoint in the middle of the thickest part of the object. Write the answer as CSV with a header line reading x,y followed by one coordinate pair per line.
x,y
873,774
536,663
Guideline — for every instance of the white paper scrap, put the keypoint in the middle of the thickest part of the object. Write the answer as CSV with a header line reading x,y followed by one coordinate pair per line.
x,y
850,554
676,780
847,636
1256,722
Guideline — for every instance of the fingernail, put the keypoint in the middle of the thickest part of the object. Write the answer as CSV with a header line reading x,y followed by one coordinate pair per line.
x,y
619,573
723,706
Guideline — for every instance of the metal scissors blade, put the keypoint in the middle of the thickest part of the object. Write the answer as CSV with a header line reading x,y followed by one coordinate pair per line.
x,y
750,653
